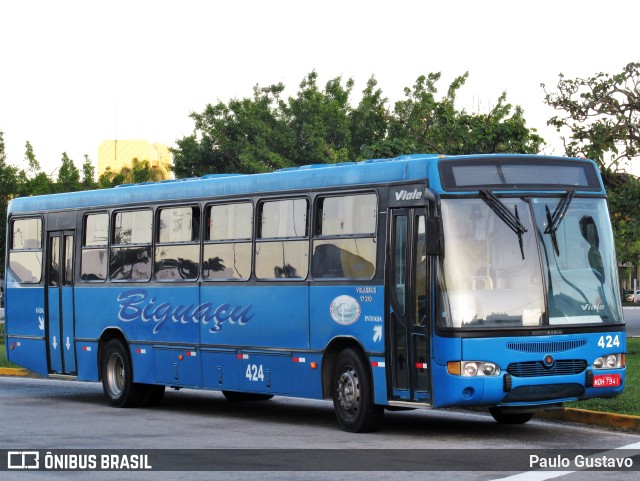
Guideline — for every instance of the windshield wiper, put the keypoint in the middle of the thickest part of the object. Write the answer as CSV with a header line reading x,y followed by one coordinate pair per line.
x,y
553,221
512,220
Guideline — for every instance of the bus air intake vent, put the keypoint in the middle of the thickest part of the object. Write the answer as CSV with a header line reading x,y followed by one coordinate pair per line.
x,y
546,347
537,368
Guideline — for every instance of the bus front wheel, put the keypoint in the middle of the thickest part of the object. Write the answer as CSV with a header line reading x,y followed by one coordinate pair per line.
x,y
505,417
353,394
117,377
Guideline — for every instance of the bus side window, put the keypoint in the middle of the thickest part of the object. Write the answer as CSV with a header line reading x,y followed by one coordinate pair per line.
x,y
25,255
344,245
93,262
227,242
177,253
130,255
282,248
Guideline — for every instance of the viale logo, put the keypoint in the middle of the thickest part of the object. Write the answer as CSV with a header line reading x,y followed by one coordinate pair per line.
x,y
592,307
405,195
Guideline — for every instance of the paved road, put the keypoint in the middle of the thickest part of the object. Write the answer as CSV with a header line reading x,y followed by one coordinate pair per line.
x,y
47,414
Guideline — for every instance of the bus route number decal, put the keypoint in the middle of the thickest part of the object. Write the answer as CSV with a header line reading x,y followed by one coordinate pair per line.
x,y
609,341
254,373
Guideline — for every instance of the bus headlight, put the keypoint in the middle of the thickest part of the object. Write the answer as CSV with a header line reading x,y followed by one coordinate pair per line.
x,y
610,361
473,368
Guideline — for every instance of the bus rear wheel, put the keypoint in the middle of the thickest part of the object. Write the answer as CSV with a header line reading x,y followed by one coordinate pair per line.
x,y
505,417
117,377
353,394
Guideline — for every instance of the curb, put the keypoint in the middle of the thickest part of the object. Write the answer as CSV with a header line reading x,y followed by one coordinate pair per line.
x,y
583,416
12,371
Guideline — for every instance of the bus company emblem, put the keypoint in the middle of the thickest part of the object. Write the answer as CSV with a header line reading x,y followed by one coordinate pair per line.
x,y
345,310
406,195
135,305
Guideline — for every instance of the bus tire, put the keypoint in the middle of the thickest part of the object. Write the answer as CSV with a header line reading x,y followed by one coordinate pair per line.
x,y
235,396
353,394
505,417
117,377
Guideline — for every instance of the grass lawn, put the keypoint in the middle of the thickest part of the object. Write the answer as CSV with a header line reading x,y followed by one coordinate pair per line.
x,y
3,350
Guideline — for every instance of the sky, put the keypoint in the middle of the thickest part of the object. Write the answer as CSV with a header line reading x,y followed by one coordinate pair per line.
x,y
76,73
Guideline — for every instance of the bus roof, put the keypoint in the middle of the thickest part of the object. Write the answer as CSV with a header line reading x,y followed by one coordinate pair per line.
x,y
413,167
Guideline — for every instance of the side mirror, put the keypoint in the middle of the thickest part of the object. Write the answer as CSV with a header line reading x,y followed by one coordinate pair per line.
x,y
433,245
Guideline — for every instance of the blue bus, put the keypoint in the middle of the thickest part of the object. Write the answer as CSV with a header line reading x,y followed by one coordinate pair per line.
x,y
423,281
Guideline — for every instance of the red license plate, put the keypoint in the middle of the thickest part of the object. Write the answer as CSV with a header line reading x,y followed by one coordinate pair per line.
x,y
606,380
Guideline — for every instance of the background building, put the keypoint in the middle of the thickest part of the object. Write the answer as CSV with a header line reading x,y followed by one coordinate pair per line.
x,y
116,154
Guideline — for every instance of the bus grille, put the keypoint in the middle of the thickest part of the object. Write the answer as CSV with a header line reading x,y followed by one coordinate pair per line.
x,y
547,346
537,368
544,393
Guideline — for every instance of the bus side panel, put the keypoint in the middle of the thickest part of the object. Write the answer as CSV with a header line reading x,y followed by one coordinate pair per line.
x,y
250,319
87,359
255,316
177,366
219,369
28,353
143,360
24,311
348,311
307,379
25,317
448,390
378,371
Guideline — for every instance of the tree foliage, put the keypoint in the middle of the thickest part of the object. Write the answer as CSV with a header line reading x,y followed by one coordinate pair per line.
x,y
423,123
68,176
88,174
140,171
624,198
320,125
602,114
8,188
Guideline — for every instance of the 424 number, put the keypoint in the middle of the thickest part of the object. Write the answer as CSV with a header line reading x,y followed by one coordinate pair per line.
x,y
254,373
609,341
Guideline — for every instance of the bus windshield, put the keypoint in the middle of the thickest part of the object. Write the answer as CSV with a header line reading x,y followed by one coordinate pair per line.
x,y
527,262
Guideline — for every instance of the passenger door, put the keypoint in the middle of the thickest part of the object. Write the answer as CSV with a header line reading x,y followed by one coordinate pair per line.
x,y
409,306
60,303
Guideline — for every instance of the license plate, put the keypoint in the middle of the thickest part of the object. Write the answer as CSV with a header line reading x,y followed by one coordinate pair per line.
x,y
606,380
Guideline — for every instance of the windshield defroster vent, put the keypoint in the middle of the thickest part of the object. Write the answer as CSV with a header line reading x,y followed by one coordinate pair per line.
x,y
547,347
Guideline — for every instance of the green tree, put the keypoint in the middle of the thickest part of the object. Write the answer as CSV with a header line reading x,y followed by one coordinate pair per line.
x,y
601,115
368,120
320,122
247,135
423,123
8,190
33,166
624,198
68,176
319,125
140,171
33,181
88,174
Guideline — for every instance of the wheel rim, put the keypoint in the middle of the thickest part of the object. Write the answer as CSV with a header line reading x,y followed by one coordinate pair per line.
x,y
115,374
349,392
